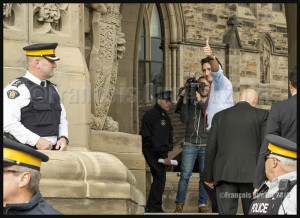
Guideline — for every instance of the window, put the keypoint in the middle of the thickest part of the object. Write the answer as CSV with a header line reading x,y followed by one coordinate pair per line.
x,y
151,59
277,7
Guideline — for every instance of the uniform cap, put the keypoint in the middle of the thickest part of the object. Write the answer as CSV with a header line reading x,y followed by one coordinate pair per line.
x,y
15,153
164,95
46,50
281,147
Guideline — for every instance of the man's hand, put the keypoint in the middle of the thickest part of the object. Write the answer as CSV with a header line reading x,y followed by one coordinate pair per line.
x,y
198,97
207,50
209,184
255,190
61,144
167,161
43,144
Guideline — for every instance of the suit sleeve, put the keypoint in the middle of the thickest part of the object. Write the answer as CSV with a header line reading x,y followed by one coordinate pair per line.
x,y
210,151
273,127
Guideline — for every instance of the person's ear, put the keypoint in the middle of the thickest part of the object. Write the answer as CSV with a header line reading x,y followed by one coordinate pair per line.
x,y
24,179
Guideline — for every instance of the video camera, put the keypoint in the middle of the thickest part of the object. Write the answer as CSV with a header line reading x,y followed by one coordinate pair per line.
x,y
190,87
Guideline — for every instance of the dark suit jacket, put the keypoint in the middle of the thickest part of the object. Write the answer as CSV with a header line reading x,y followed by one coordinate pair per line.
x,y
233,144
282,121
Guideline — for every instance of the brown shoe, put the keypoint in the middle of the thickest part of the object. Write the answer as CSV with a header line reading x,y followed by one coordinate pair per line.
x,y
203,209
179,208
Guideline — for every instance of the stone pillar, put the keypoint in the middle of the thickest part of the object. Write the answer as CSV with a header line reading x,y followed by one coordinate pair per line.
x,y
232,58
174,48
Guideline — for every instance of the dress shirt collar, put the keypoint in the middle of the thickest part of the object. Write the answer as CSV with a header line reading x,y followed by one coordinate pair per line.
x,y
294,94
34,79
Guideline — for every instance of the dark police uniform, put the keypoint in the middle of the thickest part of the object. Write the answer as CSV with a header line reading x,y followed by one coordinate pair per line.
x,y
157,140
15,153
33,109
279,195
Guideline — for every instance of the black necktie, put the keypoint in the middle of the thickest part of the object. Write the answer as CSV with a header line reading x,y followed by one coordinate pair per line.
x,y
43,83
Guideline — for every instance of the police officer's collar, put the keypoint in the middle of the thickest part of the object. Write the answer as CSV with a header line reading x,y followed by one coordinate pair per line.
x,y
163,112
32,78
275,182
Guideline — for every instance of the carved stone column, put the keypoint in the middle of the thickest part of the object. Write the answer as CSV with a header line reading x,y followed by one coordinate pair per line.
x,y
106,50
174,48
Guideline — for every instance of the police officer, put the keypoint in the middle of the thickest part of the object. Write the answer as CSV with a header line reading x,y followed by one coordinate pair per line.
x,y
278,195
21,178
157,140
33,112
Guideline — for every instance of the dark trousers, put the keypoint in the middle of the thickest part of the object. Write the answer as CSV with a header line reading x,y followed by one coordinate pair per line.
x,y
228,193
212,196
158,172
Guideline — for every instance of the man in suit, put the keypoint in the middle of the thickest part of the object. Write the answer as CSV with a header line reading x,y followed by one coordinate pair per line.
x,y
282,121
232,150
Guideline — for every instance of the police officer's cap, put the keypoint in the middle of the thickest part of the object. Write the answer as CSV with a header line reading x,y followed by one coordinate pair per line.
x,y
281,147
164,95
46,50
15,153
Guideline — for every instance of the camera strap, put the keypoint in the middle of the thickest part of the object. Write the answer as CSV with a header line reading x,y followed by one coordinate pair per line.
x,y
205,113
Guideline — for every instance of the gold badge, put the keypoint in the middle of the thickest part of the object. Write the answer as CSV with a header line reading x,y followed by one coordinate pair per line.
x,y
12,94
163,122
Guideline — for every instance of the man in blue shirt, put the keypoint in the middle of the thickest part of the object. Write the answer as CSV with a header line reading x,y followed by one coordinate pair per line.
x,y
220,96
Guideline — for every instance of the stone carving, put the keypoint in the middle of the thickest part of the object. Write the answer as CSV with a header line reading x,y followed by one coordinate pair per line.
x,y
48,16
108,47
8,18
7,8
110,125
265,52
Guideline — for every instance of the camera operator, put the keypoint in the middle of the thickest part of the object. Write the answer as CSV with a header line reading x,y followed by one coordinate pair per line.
x,y
192,104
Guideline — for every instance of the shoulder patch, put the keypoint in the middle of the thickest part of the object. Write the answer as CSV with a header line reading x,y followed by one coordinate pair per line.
x,y
17,83
12,94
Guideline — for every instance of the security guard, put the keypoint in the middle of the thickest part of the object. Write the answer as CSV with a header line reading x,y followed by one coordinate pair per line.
x,y
157,140
21,178
279,194
33,112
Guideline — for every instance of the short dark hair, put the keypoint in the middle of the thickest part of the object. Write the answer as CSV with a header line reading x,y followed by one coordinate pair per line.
x,y
293,76
207,60
201,77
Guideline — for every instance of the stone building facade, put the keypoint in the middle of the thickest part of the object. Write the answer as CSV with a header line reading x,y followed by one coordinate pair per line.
x,y
110,56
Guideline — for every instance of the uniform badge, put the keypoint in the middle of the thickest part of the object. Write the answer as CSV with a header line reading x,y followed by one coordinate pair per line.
x,y
12,94
163,122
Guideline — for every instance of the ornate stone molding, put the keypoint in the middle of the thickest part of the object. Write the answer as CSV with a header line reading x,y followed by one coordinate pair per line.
x,y
108,47
48,17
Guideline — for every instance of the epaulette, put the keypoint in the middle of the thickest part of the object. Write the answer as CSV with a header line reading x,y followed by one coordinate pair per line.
x,y
17,82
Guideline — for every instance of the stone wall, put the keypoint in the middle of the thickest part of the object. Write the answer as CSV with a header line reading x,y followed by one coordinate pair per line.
x,y
261,36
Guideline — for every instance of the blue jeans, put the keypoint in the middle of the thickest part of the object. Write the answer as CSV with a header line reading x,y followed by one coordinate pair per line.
x,y
189,155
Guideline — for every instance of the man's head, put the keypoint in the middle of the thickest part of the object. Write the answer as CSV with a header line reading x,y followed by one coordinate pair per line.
x,y
249,95
206,68
204,91
41,59
21,172
293,80
163,99
281,156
